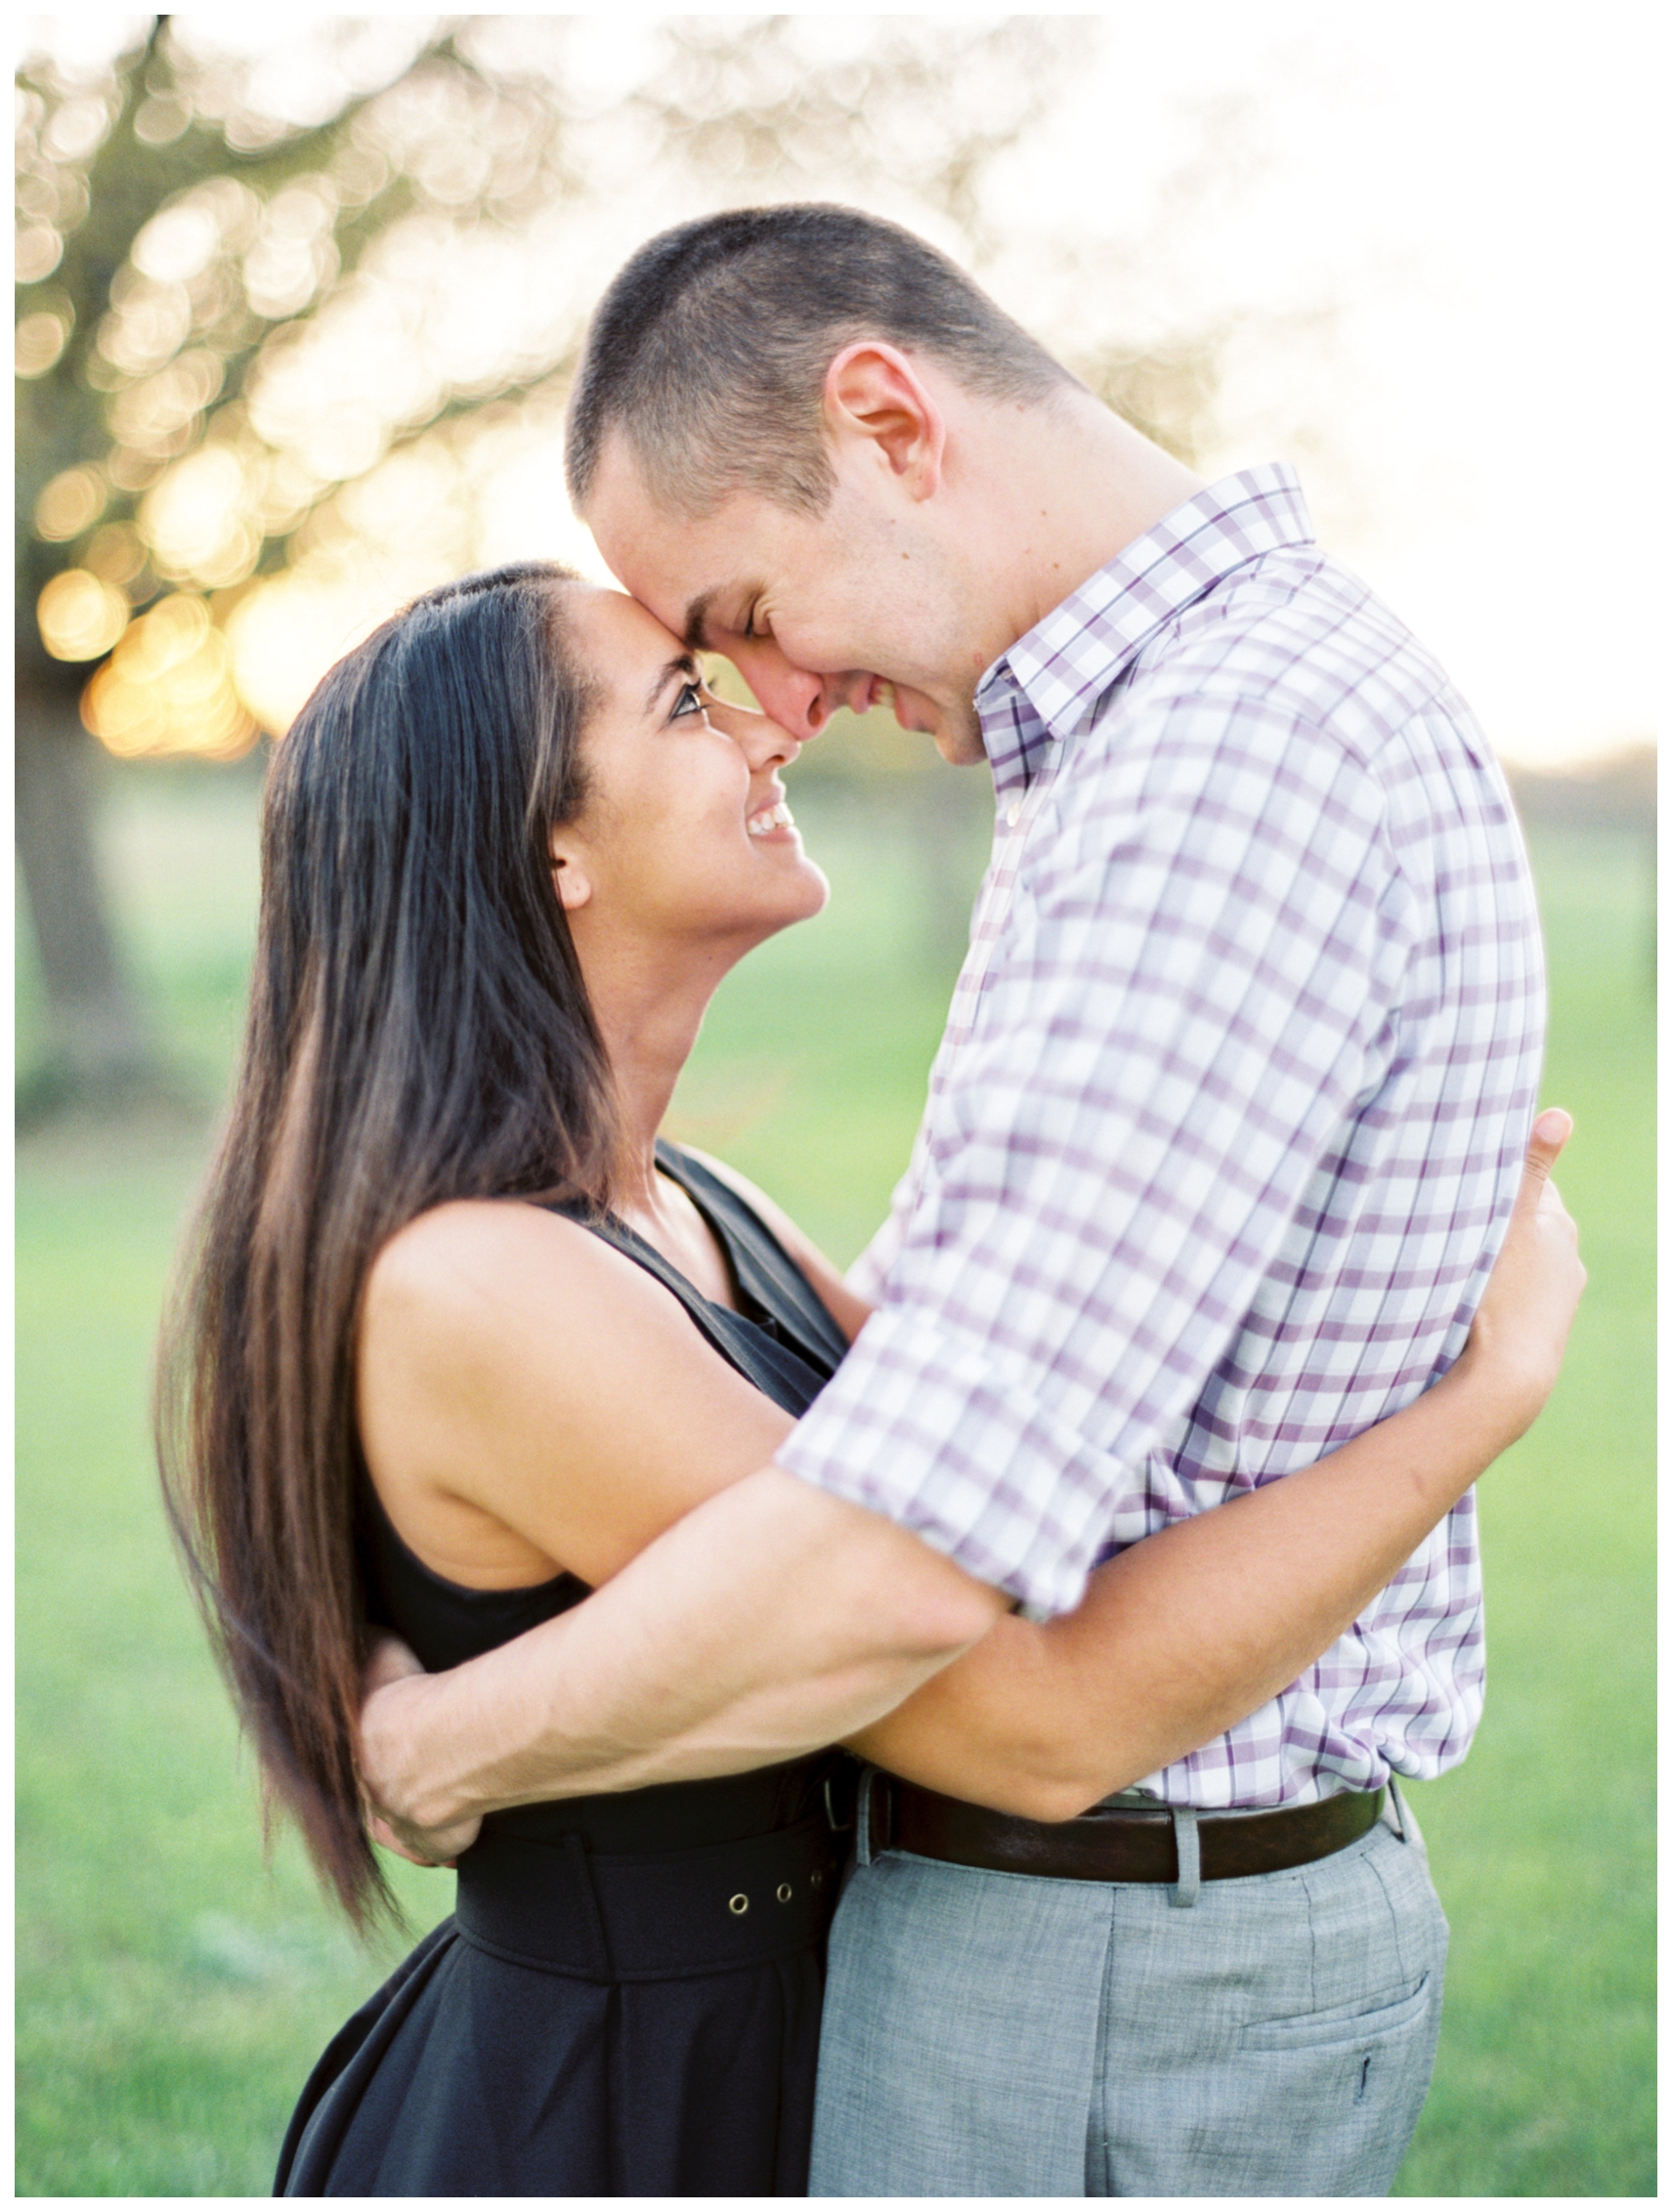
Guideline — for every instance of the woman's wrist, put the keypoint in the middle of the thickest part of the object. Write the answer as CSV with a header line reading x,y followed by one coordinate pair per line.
x,y
1500,1393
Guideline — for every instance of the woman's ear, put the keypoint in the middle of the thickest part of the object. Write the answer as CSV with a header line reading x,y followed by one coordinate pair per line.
x,y
569,879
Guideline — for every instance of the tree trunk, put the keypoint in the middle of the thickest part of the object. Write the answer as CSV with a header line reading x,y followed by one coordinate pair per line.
x,y
98,1043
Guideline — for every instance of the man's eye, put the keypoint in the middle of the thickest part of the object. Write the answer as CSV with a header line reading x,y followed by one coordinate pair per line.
x,y
689,702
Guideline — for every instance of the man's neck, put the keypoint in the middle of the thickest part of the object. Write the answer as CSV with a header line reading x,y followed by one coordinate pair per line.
x,y
1065,488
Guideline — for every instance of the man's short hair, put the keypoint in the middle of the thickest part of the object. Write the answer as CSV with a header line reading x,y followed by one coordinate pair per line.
x,y
711,347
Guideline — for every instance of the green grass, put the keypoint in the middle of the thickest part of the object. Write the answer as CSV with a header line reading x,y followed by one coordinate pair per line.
x,y
172,1992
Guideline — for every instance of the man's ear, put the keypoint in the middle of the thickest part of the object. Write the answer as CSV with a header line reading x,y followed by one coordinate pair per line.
x,y
570,882
874,393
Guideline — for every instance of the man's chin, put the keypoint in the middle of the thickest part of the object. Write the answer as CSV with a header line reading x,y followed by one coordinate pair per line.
x,y
960,742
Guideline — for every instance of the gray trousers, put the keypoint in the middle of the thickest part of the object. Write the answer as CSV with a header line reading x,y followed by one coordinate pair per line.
x,y
1005,2035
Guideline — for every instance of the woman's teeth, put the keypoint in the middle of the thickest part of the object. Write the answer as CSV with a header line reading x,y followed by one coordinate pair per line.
x,y
770,818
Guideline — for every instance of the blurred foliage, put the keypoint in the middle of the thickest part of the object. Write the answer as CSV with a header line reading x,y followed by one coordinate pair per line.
x,y
262,294
297,309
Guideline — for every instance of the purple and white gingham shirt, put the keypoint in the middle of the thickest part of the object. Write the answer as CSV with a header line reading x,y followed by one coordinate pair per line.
x,y
1224,1135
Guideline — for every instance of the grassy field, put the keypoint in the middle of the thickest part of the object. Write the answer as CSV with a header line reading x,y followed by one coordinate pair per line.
x,y
171,1993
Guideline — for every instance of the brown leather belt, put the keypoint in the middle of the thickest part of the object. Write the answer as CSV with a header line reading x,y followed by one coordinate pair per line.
x,y
1113,1843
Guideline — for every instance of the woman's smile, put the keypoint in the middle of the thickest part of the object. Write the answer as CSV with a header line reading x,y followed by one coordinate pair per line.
x,y
775,823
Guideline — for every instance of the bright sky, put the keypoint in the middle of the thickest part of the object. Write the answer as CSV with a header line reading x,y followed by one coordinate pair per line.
x,y
1476,181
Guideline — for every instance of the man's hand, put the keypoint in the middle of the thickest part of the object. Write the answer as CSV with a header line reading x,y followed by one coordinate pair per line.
x,y
389,1687
770,1620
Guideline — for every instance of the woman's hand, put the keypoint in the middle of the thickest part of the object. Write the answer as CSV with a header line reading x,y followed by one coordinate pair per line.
x,y
1520,1333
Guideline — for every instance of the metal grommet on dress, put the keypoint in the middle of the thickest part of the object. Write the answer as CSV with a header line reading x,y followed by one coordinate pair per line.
x,y
739,1903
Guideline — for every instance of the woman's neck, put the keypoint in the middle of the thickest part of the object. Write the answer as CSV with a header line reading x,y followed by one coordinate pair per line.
x,y
648,1017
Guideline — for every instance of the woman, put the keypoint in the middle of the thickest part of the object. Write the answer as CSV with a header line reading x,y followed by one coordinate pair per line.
x,y
462,1337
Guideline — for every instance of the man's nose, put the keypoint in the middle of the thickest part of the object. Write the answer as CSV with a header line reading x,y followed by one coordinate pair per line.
x,y
794,697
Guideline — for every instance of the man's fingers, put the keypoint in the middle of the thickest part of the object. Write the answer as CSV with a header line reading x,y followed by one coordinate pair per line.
x,y
381,1832
389,1661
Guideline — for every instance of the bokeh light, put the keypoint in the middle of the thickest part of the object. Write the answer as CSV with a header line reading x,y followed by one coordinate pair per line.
x,y
168,688
40,340
72,503
81,616
196,520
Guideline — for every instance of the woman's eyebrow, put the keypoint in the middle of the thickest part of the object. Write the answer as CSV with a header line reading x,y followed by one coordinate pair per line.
x,y
685,665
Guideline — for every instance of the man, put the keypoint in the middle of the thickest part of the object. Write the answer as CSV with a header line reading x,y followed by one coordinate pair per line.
x,y
1219,1150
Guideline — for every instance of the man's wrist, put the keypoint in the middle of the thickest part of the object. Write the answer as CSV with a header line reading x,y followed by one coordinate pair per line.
x,y
404,1762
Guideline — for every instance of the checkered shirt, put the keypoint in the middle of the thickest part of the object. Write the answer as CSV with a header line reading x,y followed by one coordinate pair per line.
x,y
1228,1118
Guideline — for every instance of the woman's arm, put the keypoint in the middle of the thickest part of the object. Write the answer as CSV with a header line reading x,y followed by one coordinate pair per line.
x,y
530,1399
1199,1624
1180,1637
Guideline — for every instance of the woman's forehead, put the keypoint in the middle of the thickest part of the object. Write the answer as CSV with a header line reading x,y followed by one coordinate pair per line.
x,y
630,657
628,635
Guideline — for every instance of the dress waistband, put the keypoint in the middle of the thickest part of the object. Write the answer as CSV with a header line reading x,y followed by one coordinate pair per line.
x,y
648,1916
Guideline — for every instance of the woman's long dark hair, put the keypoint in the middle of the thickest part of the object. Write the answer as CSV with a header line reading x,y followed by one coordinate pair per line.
x,y
418,1032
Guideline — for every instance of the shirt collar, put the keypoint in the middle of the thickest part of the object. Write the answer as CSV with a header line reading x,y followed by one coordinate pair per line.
x,y
1048,680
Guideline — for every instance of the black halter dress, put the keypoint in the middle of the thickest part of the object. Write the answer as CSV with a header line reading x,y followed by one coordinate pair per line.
x,y
625,2000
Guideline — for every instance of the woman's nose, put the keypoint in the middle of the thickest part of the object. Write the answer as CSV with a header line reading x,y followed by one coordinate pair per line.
x,y
781,748
765,743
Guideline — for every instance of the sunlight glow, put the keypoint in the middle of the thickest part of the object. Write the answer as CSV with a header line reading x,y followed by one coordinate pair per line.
x,y
168,688
79,617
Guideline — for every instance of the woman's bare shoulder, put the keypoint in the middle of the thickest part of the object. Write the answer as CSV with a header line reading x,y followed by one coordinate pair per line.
x,y
513,1363
470,1291
473,1252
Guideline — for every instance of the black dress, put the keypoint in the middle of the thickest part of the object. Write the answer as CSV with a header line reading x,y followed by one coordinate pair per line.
x,y
625,2000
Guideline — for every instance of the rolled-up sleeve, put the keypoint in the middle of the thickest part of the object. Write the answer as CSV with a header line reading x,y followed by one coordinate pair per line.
x,y
1192,990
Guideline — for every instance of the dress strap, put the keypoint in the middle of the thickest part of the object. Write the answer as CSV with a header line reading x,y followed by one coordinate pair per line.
x,y
787,1371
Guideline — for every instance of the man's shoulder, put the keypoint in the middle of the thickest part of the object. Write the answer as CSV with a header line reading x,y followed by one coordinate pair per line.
x,y
1294,654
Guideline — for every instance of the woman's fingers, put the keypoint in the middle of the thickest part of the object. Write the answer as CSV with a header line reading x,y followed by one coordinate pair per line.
x,y
1520,1326
1549,1134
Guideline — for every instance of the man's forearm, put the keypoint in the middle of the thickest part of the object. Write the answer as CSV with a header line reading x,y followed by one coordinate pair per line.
x,y
768,1622
1194,1628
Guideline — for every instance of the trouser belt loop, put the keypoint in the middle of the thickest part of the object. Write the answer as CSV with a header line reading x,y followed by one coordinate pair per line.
x,y
1401,1812
1188,1887
862,1818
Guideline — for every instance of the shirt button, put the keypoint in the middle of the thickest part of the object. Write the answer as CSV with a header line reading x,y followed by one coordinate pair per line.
x,y
1014,812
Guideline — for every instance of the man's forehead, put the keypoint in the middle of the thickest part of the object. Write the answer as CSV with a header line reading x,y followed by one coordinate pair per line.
x,y
688,570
